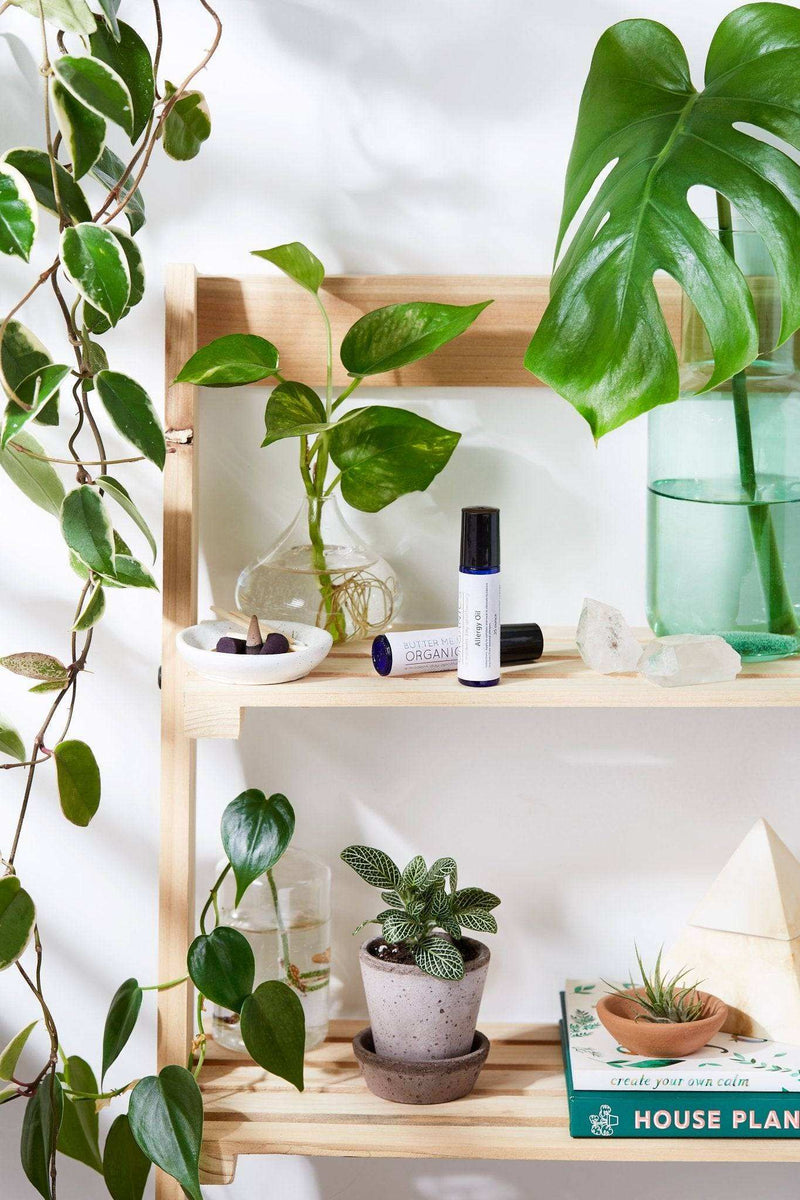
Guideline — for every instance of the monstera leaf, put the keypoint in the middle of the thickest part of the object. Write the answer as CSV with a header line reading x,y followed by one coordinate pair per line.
x,y
603,343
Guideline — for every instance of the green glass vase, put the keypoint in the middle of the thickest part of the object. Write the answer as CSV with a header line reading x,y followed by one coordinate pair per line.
x,y
724,487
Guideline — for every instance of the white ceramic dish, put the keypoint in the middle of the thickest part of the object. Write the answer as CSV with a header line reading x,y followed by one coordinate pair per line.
x,y
196,647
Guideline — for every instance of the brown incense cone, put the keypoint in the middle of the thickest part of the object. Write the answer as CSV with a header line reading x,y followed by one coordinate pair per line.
x,y
254,642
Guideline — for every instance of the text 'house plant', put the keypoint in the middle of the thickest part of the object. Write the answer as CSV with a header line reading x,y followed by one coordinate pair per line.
x,y
603,342
412,1018
377,453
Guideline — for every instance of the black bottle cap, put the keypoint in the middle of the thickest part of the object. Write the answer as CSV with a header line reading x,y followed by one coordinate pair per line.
x,y
480,539
520,643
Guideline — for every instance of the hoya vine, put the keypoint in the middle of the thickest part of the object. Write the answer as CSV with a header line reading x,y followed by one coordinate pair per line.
x,y
105,111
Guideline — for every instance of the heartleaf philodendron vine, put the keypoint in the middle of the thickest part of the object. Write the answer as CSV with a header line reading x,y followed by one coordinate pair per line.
x,y
380,452
603,342
106,110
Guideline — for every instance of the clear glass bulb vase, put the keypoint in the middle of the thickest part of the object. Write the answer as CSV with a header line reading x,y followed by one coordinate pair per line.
x,y
321,573
286,917
724,487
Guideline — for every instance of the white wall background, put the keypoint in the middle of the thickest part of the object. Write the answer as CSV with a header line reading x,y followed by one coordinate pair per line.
x,y
427,137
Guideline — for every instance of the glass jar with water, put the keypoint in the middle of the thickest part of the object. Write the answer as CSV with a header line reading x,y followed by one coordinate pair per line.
x,y
724,487
285,916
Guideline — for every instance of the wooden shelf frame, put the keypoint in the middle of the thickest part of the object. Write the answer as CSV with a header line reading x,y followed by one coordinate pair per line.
x,y
489,354
517,1111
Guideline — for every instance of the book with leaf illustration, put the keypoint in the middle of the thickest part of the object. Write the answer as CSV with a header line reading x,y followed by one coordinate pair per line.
x,y
729,1064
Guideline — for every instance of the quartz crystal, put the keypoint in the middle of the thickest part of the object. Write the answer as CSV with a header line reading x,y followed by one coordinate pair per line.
x,y
605,641
686,658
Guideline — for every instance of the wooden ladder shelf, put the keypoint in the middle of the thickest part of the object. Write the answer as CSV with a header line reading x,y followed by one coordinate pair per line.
x,y
519,1109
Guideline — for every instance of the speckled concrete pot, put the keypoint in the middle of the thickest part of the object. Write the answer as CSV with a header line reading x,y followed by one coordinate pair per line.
x,y
415,1017
433,1082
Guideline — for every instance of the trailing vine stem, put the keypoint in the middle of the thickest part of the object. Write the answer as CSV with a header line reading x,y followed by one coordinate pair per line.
x,y
79,648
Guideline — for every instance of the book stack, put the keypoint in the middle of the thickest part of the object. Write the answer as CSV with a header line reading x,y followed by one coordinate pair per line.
x,y
735,1087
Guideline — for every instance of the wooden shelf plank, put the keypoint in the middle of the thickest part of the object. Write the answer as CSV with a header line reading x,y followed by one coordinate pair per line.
x,y
559,680
489,354
517,1111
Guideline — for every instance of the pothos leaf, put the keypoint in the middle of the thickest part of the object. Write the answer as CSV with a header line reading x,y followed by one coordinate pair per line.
x,y
273,1030
166,1118
125,1167
296,261
222,966
120,1022
230,361
399,334
256,830
293,410
40,1126
78,1136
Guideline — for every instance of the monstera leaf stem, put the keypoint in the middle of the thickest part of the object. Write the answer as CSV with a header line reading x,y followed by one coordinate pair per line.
x,y
780,611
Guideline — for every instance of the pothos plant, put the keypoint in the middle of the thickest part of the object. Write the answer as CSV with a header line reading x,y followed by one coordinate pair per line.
x,y
379,452
603,342
106,111
426,911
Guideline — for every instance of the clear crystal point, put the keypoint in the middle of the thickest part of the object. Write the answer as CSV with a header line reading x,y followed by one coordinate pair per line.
x,y
687,658
605,640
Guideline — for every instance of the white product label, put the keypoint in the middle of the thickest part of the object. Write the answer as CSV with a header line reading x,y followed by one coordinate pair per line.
x,y
423,650
479,627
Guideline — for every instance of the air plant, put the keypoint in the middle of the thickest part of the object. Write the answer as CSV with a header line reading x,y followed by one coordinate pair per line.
x,y
663,1000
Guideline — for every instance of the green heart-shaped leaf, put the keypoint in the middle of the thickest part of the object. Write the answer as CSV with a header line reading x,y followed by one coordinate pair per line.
x,y
108,170
83,131
166,1118
96,86
118,492
97,267
79,1134
293,409
384,453
603,342
36,167
273,1029
72,15
125,1168
12,745
222,966
78,781
17,917
187,126
124,51
11,1054
40,1126
123,1013
230,361
296,261
392,337
19,215
255,832
34,477
87,529
133,414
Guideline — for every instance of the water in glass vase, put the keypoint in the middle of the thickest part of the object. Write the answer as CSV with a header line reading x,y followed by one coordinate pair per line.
x,y
285,916
703,574
321,573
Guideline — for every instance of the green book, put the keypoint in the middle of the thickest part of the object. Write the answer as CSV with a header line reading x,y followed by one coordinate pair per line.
x,y
673,1113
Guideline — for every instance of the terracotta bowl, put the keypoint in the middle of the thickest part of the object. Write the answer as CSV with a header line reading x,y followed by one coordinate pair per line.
x,y
434,1081
618,1014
